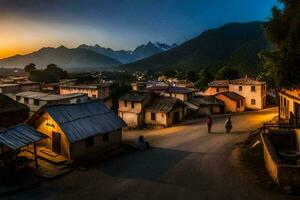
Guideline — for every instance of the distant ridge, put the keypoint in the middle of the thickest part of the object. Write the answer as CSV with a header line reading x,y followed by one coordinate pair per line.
x,y
235,44
140,52
69,59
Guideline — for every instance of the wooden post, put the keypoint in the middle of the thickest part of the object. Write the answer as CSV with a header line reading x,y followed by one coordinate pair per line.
x,y
35,156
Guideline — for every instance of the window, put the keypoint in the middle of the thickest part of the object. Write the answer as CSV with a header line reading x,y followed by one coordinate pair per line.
x,y
26,100
132,104
89,142
18,98
153,116
218,89
105,137
36,102
253,88
240,88
125,102
253,102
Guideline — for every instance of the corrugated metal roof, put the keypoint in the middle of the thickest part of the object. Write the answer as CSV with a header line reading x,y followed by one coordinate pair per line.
x,y
232,95
47,97
137,96
80,121
179,90
20,136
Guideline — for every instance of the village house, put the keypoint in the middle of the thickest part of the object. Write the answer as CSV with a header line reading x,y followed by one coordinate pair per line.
x,y
11,88
181,93
12,112
254,92
78,131
290,103
204,106
139,86
216,87
233,102
131,108
96,91
164,111
35,100
54,87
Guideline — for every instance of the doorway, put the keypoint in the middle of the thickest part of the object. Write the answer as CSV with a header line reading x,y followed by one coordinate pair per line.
x,y
297,114
176,117
56,142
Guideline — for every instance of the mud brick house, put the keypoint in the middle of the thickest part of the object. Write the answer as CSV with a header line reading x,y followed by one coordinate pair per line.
x,y
99,91
181,93
164,111
217,86
35,100
78,131
132,108
205,105
233,102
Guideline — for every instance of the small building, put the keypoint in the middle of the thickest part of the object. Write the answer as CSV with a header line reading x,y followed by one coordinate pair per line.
x,y
19,87
290,103
12,112
233,102
254,92
181,93
78,131
54,87
205,105
18,147
164,111
9,88
35,100
131,108
216,87
139,86
98,91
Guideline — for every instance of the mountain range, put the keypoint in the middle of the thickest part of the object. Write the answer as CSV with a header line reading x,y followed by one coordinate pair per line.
x,y
84,57
234,44
123,56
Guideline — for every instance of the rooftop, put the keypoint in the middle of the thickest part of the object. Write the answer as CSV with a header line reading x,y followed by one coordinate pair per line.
x,y
179,90
246,81
161,104
232,95
46,96
20,136
206,100
83,86
219,83
294,93
136,96
83,120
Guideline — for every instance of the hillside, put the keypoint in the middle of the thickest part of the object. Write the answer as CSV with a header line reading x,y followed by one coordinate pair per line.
x,y
140,52
235,44
69,59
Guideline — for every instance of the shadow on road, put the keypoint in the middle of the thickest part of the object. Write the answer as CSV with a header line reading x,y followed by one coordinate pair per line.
x,y
143,165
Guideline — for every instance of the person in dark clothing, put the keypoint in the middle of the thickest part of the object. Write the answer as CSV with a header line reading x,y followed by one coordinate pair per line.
x,y
228,125
209,123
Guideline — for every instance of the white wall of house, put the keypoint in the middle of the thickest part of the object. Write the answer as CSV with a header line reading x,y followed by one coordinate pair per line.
x,y
255,95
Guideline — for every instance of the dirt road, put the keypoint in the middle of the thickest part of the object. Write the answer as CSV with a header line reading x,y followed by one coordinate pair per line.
x,y
185,163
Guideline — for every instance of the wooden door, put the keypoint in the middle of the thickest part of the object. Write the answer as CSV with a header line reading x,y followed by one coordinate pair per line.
x,y
56,142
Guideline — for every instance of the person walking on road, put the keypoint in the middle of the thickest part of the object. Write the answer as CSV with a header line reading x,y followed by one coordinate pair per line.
x,y
228,125
209,123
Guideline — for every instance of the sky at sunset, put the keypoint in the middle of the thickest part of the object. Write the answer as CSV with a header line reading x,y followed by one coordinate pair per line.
x,y
27,25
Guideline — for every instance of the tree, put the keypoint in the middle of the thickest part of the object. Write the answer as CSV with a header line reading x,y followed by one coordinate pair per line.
x,y
227,73
52,74
282,64
204,78
30,67
116,90
54,69
192,76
